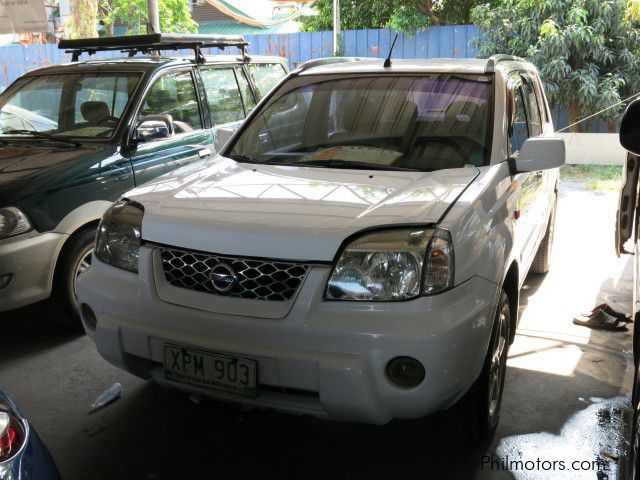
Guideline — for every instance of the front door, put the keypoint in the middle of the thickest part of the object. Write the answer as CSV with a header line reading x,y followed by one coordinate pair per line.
x,y
174,94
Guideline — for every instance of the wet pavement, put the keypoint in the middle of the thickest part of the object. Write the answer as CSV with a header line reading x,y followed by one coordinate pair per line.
x,y
565,395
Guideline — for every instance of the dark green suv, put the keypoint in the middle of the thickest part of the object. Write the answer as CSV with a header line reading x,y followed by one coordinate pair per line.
x,y
75,137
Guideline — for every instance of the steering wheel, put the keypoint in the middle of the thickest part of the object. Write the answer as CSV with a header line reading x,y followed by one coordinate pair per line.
x,y
109,121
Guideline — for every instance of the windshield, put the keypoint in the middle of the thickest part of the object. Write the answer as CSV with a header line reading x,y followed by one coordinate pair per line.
x,y
67,105
425,123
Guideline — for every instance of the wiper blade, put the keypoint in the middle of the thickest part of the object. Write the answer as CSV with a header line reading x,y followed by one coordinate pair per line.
x,y
243,158
47,136
350,164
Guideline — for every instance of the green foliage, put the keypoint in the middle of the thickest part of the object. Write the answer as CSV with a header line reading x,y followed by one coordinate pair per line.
x,y
175,16
400,15
587,50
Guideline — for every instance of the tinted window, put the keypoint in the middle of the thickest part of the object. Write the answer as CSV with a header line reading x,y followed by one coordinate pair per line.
x,y
533,110
78,105
174,94
428,122
266,76
223,96
520,131
247,94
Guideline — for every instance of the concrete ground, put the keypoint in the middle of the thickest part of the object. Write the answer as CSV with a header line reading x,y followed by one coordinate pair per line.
x,y
566,390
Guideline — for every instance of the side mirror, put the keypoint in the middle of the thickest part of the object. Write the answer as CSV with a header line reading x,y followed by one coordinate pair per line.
x,y
154,127
540,153
630,128
222,136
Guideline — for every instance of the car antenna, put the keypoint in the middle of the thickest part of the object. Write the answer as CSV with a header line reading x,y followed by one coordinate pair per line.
x,y
387,62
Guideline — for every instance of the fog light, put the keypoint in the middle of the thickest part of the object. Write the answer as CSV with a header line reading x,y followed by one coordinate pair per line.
x,y
405,371
88,316
5,280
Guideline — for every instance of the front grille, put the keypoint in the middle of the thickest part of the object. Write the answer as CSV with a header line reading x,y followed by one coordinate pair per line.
x,y
252,278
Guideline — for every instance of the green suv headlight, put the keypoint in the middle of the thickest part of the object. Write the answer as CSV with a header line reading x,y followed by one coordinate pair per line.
x,y
394,264
13,221
118,240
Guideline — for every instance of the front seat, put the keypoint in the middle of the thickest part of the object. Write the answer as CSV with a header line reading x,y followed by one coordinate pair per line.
x,y
95,112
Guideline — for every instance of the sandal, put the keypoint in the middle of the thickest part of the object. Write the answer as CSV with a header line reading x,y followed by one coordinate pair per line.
x,y
600,320
609,311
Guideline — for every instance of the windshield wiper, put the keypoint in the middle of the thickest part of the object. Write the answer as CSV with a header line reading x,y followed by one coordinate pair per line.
x,y
349,164
243,158
47,136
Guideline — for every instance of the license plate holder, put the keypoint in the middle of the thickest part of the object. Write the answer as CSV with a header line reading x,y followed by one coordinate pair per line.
x,y
215,371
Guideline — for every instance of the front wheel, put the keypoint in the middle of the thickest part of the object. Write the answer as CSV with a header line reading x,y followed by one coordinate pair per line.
x,y
475,416
75,259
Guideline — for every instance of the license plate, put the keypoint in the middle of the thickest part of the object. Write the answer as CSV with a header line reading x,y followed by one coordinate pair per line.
x,y
211,370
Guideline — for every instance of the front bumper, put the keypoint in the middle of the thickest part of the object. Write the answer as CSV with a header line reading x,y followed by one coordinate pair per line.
x,y
323,358
30,259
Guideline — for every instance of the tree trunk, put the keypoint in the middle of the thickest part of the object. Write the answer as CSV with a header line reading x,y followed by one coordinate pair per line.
x,y
426,7
574,116
84,18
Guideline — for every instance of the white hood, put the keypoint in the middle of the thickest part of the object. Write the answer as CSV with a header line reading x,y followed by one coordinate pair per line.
x,y
292,213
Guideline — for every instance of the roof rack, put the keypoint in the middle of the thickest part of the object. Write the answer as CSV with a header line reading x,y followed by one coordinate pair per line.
x,y
153,42
317,62
500,57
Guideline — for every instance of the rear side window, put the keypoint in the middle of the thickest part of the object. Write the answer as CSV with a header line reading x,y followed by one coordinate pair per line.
x,y
223,95
520,130
174,94
533,110
245,89
266,76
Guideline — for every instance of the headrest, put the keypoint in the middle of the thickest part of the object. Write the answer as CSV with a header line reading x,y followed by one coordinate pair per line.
x,y
94,111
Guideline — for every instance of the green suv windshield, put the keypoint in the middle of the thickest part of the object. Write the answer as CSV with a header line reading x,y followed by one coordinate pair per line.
x,y
87,105
387,122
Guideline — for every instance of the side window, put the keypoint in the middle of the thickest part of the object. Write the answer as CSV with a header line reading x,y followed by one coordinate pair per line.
x,y
520,130
266,76
245,89
533,110
223,95
174,94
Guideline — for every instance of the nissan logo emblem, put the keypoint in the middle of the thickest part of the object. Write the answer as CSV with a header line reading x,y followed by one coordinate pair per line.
x,y
222,277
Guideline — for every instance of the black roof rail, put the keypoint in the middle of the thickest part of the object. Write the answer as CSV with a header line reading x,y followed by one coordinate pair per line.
x,y
500,57
153,42
317,62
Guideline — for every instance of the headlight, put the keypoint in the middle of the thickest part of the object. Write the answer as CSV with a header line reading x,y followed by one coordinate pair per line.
x,y
13,221
118,239
389,265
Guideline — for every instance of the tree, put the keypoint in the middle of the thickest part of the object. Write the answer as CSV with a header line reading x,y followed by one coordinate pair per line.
x,y
587,50
82,23
175,16
401,15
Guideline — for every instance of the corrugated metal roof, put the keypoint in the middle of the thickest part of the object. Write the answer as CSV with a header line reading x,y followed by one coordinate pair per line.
x,y
236,28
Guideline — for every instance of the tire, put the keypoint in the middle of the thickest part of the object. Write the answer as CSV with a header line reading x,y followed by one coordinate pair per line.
x,y
474,418
541,261
74,259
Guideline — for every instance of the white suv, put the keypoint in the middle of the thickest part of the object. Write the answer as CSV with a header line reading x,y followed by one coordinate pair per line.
x,y
354,252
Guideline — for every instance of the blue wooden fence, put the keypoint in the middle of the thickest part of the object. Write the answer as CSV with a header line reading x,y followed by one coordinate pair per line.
x,y
432,42
456,41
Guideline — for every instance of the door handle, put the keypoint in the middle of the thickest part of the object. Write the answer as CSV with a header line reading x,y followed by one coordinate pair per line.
x,y
205,152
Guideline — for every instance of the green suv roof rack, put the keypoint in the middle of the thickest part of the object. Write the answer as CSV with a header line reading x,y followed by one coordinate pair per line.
x,y
154,42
